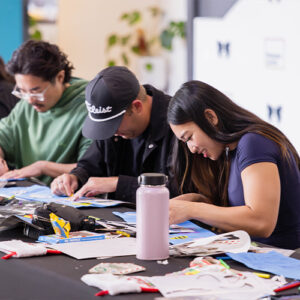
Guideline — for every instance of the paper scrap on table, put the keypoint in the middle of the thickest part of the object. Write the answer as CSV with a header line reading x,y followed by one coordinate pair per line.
x,y
214,280
179,233
3,183
128,216
285,252
187,226
44,194
271,262
234,242
91,249
116,268
74,236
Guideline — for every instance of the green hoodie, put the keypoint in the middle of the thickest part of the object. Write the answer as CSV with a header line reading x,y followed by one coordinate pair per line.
x,y
27,136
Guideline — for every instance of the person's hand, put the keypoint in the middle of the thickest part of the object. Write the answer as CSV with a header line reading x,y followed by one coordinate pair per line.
x,y
33,170
179,211
3,166
64,184
97,185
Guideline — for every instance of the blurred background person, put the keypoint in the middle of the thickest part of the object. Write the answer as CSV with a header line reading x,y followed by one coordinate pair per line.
x,y
7,100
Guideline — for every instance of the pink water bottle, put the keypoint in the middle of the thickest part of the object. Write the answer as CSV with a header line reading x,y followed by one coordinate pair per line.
x,y
152,211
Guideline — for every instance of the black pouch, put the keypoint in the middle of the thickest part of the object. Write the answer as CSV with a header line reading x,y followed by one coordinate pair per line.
x,y
77,219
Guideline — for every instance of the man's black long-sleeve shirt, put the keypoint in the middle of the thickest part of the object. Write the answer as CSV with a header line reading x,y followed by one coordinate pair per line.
x,y
127,159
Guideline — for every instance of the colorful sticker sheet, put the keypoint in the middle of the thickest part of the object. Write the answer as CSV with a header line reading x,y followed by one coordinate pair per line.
x,y
179,233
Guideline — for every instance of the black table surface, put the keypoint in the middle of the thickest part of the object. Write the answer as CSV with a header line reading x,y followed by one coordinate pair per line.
x,y
58,276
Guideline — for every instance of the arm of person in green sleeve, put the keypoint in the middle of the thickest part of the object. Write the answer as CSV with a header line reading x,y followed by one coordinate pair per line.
x,y
48,168
84,144
38,168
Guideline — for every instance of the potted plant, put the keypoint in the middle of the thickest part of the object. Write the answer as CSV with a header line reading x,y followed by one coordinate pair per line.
x,y
144,43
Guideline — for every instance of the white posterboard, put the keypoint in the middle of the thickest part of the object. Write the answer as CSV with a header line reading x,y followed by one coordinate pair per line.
x,y
252,55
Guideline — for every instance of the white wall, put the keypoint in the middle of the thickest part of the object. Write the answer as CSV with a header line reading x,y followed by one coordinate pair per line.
x,y
260,67
177,11
83,27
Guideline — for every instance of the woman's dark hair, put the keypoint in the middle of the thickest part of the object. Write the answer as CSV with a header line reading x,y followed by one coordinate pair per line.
x,y
4,75
197,174
40,59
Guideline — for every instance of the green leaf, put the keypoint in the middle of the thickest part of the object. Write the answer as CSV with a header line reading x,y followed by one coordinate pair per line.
x,y
111,63
155,11
112,40
32,22
149,67
166,38
37,35
134,17
125,59
135,49
124,16
178,28
125,39
152,41
173,29
182,30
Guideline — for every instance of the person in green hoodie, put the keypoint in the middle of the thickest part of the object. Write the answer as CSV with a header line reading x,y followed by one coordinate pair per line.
x,y
42,135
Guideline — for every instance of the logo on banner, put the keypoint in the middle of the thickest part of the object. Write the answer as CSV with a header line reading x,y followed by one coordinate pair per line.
x,y
223,49
274,112
274,53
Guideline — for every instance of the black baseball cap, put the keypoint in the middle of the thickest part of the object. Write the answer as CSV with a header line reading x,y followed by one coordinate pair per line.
x,y
108,96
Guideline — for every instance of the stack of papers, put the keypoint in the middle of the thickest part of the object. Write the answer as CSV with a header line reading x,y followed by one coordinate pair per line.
x,y
74,236
214,282
101,248
234,242
179,233
44,194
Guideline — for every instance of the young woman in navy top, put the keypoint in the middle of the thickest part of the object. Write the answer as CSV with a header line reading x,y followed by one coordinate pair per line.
x,y
240,172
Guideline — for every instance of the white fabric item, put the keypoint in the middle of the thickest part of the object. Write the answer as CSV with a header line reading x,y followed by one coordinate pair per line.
x,y
112,283
217,281
22,249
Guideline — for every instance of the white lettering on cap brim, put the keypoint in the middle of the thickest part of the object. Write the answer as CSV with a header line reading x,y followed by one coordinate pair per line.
x,y
106,119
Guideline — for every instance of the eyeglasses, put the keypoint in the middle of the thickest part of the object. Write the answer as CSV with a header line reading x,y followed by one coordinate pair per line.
x,y
26,96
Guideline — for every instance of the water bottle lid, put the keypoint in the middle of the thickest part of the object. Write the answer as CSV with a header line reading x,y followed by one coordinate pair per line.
x,y
152,179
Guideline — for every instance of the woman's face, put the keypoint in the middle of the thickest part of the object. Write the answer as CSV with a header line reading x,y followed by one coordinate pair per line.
x,y
198,141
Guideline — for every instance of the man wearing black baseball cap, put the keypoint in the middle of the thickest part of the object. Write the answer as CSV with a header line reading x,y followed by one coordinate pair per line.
x,y
128,123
